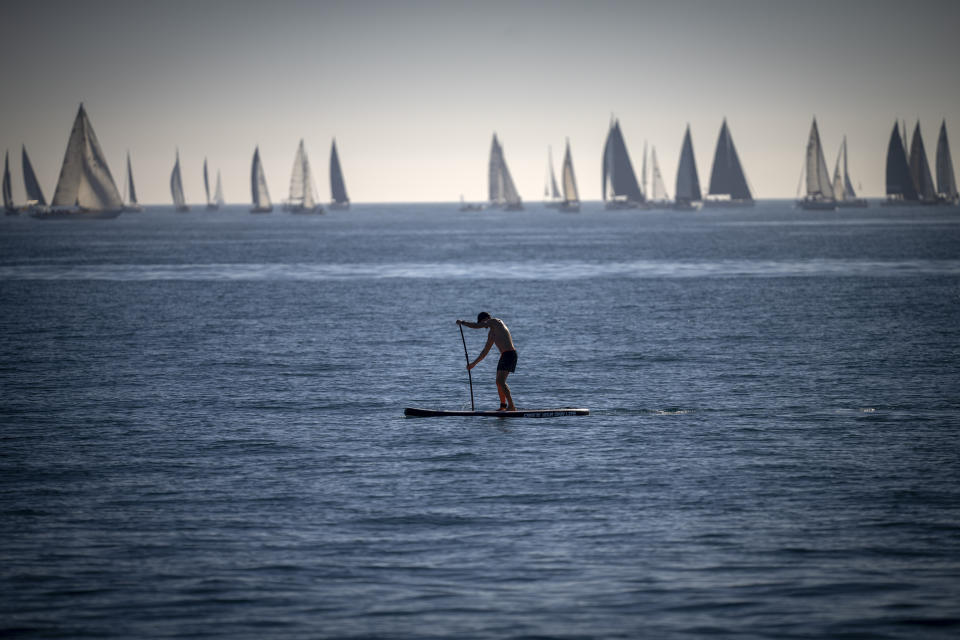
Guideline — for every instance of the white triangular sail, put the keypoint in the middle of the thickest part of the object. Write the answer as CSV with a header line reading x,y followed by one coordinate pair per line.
x,y
503,193
302,190
85,179
218,192
819,185
659,191
568,179
258,184
842,187
176,186
550,189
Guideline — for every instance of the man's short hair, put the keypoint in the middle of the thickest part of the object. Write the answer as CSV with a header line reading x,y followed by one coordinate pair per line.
x,y
483,315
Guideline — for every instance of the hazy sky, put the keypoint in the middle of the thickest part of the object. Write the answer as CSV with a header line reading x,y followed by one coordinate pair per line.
x,y
413,91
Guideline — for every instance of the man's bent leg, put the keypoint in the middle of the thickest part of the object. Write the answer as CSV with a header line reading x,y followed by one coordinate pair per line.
x,y
505,390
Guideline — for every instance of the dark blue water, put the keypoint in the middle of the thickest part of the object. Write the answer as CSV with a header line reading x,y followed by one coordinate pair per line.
x,y
202,431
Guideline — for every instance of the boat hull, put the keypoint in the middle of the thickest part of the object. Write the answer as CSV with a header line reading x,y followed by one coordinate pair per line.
x,y
727,204
261,210
817,205
415,412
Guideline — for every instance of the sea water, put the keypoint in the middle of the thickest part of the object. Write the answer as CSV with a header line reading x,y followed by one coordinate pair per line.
x,y
203,434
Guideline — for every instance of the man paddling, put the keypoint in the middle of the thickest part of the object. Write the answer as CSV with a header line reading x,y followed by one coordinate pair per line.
x,y
499,335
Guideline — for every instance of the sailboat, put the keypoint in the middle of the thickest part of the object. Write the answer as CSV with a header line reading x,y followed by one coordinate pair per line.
x,y
689,197
503,193
8,206
551,193
211,205
571,196
338,189
920,169
218,192
85,188
35,199
258,186
176,187
618,176
819,185
842,187
946,181
302,192
658,194
900,186
727,180
131,195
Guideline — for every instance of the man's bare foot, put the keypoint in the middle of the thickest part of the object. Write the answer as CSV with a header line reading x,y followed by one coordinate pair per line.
x,y
511,408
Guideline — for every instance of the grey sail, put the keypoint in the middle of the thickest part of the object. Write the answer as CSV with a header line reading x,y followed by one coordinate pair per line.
x,y
551,190
176,187
842,187
568,179
85,181
727,177
619,182
658,191
206,183
7,188
920,168
946,180
503,192
34,192
819,184
218,192
899,182
338,189
131,190
258,186
688,182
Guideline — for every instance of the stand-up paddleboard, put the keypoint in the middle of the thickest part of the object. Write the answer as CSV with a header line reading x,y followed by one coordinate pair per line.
x,y
413,412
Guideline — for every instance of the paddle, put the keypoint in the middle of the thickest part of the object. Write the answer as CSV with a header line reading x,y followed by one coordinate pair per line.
x,y
469,375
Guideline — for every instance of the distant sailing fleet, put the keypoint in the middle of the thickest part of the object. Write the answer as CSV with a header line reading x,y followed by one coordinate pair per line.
x,y
86,189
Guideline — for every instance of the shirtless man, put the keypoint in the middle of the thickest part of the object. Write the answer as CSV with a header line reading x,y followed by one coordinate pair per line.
x,y
498,335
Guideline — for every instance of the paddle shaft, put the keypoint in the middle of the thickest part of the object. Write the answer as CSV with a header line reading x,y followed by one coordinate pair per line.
x,y
469,375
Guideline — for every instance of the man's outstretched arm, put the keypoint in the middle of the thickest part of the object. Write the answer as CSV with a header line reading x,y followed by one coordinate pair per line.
x,y
472,325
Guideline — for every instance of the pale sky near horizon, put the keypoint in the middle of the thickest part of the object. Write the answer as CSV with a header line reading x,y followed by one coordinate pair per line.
x,y
413,91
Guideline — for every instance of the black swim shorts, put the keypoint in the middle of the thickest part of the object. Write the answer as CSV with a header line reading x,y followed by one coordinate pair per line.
x,y
508,361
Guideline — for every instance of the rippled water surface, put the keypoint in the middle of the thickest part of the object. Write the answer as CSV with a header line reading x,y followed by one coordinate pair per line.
x,y
202,431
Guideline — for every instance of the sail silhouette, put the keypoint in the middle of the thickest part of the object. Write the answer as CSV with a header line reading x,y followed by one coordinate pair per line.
x,y
819,191
131,191
503,193
899,183
843,190
8,205
571,196
920,169
658,191
85,188
618,177
302,198
551,192
218,192
338,190
258,186
688,194
946,180
30,183
727,179
176,187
